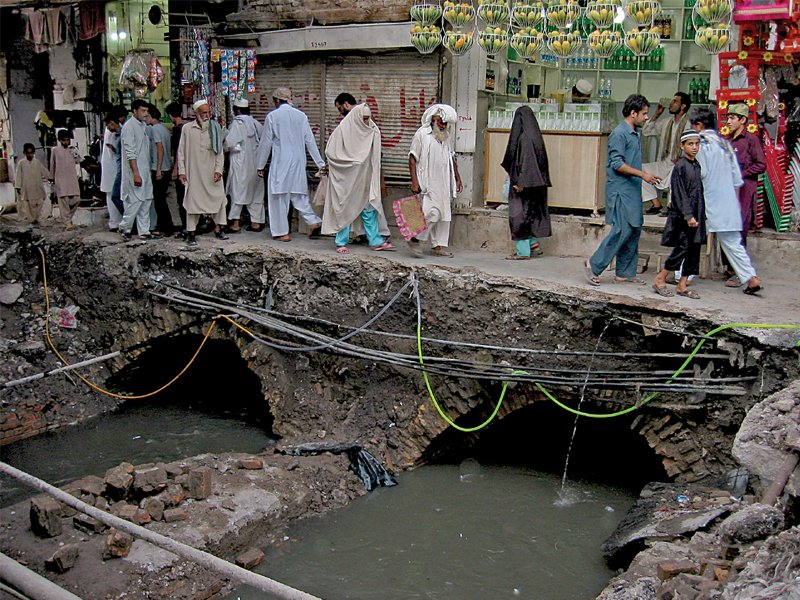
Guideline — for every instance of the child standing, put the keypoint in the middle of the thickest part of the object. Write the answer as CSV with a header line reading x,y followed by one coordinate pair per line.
x,y
31,176
685,229
62,170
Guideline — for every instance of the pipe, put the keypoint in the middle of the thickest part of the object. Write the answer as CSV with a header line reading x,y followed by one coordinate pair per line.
x,y
70,367
776,489
30,583
204,559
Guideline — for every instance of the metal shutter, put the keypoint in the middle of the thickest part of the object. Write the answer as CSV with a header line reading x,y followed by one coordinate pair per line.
x,y
398,87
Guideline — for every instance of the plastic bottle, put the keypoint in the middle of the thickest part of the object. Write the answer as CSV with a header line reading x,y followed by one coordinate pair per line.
x,y
693,90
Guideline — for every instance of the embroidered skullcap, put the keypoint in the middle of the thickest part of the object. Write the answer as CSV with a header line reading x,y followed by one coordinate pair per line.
x,y
689,134
283,93
241,103
199,103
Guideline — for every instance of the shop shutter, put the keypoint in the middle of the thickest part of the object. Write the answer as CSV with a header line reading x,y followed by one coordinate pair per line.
x,y
397,86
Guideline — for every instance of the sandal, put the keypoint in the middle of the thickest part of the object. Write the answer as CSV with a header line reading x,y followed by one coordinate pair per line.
x,y
342,250
517,257
752,291
589,274
636,280
440,251
688,294
662,291
256,229
537,249
315,232
283,238
384,246
733,282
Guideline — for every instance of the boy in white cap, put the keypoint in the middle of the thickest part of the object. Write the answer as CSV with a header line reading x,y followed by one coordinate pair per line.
x,y
244,185
582,91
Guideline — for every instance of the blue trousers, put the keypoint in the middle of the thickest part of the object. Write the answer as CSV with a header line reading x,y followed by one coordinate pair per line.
x,y
369,217
623,242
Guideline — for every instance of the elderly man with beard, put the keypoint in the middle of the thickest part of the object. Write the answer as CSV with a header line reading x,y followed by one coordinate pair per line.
x,y
354,179
434,175
200,163
244,186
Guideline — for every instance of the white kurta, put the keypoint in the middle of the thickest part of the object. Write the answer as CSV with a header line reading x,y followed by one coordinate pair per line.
x,y
135,146
435,173
197,161
287,136
108,163
244,185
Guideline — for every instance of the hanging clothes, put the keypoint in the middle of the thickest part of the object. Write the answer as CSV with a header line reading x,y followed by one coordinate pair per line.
x,y
92,22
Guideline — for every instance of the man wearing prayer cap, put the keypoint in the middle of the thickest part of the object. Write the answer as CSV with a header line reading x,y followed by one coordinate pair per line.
x,y
581,91
287,137
200,163
244,185
434,176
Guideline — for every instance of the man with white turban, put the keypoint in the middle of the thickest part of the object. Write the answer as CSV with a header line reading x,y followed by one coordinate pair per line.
x,y
354,179
200,162
287,136
434,176
244,185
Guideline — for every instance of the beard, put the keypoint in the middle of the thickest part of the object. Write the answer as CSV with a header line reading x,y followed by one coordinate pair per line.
x,y
440,135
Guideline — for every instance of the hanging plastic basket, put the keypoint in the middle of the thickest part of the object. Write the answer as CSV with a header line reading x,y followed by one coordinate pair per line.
x,y
458,42
642,12
601,14
604,42
426,14
492,42
642,42
562,16
459,15
426,38
714,12
526,42
494,15
527,14
713,39
564,44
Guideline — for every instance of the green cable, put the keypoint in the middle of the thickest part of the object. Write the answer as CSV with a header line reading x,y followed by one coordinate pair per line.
x,y
574,411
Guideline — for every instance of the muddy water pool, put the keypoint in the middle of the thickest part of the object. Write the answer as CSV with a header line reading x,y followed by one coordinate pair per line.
x,y
455,533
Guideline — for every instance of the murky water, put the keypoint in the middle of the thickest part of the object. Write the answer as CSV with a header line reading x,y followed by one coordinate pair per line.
x,y
138,433
455,533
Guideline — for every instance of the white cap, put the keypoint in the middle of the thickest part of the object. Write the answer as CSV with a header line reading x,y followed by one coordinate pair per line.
x,y
242,103
584,87
199,103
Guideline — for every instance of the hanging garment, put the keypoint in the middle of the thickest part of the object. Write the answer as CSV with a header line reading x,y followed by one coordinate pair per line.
x,y
92,22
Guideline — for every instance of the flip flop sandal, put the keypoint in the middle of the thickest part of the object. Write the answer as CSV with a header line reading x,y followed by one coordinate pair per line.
x,y
383,247
283,238
663,291
517,257
689,294
537,249
733,282
590,276
752,291
342,250
442,253
636,280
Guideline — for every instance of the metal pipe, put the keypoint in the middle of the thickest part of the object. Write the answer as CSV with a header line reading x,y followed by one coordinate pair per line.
x,y
30,583
77,365
204,559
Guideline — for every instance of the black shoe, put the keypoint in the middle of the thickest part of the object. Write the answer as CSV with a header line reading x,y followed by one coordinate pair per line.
x,y
221,235
315,232
191,239
126,236
653,210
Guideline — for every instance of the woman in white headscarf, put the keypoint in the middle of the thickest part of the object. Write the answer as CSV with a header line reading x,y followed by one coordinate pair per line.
x,y
354,179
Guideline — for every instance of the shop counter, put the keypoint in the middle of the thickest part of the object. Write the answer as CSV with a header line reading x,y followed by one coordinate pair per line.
x,y
577,168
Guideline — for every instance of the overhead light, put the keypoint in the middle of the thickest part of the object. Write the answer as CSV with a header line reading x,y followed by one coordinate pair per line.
x,y
113,35
123,35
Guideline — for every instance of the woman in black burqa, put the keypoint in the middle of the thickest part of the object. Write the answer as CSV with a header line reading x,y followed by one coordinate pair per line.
x,y
526,163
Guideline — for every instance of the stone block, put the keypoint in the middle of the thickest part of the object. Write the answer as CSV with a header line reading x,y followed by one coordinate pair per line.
x,y
250,558
118,480
173,469
172,515
123,510
172,496
46,516
10,293
199,484
91,484
142,517
753,522
153,507
63,559
149,480
252,464
669,569
88,524
117,545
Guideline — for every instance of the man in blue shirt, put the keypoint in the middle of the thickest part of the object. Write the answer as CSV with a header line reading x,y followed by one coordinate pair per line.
x,y
624,178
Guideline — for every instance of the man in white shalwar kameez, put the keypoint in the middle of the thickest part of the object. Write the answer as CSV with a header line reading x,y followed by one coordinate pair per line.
x,y
434,176
200,164
244,185
287,136
109,170
136,187
354,179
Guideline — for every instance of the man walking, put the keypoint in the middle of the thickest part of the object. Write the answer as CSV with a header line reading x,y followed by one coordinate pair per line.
x,y
434,175
63,159
721,178
31,176
750,156
244,186
623,197
175,114
669,148
161,165
136,187
200,164
287,136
